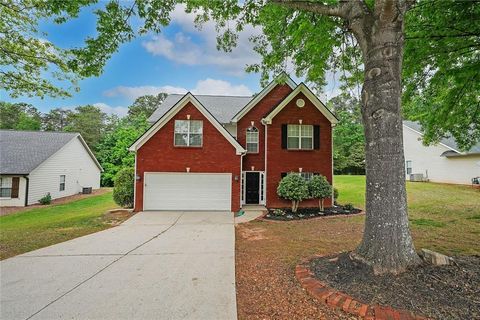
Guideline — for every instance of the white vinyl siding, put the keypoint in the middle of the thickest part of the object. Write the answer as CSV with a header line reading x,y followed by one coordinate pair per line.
x,y
300,137
187,191
188,133
74,162
427,160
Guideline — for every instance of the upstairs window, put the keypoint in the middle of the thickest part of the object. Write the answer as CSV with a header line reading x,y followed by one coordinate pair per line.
x,y
62,182
252,140
5,187
188,133
300,137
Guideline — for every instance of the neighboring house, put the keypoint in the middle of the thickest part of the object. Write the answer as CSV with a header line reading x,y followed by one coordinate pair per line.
x,y
34,163
442,162
220,153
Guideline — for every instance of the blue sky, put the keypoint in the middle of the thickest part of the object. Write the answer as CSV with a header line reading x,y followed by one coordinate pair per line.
x,y
181,58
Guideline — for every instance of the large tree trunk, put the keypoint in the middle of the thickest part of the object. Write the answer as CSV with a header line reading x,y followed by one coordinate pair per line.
x,y
386,245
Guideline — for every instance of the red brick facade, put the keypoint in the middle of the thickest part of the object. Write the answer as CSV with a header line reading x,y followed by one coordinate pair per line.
x,y
217,155
282,160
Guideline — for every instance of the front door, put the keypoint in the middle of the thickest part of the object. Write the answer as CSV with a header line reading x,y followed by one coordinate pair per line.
x,y
252,188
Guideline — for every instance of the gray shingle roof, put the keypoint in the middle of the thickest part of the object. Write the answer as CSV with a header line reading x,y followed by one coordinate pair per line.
x,y
223,108
23,151
449,142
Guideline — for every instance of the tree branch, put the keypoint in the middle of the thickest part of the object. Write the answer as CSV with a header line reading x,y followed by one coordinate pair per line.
x,y
339,10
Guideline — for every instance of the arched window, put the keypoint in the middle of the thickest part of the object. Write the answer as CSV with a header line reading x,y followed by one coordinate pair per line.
x,y
252,140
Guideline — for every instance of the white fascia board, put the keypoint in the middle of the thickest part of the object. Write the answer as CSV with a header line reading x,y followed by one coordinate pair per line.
x,y
173,111
310,96
442,144
261,95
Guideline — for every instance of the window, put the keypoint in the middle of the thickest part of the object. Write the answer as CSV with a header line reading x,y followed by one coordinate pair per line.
x,y
300,137
62,182
252,140
188,133
5,187
409,166
307,175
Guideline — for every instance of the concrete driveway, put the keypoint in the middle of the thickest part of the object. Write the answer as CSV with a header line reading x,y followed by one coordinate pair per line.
x,y
156,265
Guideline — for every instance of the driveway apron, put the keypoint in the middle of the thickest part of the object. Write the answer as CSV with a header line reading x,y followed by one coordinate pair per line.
x,y
156,265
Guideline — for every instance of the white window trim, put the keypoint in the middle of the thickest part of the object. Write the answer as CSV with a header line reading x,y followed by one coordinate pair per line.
x,y
188,134
64,183
300,136
11,185
257,138
307,175
408,167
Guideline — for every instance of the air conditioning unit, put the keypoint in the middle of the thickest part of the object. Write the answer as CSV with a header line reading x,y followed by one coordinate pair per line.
x,y
417,177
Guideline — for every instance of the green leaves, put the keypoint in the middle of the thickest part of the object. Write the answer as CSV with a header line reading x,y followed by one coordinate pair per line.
x,y
293,187
319,188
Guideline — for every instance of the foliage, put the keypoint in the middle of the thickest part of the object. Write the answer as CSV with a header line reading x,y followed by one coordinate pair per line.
x,y
113,151
335,195
56,119
123,187
46,199
348,136
278,212
349,207
146,105
19,116
293,187
90,122
442,70
319,188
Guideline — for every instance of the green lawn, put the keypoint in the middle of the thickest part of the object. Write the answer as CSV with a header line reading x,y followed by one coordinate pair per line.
x,y
443,217
40,227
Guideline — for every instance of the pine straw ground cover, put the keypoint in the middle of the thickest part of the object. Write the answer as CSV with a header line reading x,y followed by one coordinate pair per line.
x,y
444,218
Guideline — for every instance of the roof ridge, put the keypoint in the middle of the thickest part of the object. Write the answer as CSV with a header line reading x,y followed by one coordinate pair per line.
x,y
43,131
211,95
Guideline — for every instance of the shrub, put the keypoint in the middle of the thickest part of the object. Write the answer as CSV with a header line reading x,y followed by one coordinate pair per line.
x,y
320,189
348,207
293,187
46,199
335,195
123,187
278,212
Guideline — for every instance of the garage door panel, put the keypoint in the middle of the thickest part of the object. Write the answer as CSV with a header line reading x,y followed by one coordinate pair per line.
x,y
187,191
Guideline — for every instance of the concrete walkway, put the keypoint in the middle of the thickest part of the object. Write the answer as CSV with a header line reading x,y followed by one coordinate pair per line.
x,y
156,265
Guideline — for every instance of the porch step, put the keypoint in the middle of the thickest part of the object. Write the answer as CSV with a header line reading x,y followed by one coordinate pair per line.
x,y
253,207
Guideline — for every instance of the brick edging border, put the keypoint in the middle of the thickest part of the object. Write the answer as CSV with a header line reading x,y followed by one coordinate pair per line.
x,y
339,300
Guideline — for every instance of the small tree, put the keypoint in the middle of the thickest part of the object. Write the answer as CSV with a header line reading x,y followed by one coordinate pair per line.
x,y
123,187
293,187
320,189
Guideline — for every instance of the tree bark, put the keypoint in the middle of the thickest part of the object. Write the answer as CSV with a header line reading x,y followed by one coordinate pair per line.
x,y
387,244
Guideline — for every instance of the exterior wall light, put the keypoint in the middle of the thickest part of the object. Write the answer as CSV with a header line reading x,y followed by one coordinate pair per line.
x,y
188,169
137,177
300,169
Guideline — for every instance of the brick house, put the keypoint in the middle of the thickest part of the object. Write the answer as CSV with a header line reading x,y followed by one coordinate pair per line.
x,y
221,153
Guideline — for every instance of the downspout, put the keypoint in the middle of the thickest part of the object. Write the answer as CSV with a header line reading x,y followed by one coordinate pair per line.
x,y
331,151
26,189
265,166
240,178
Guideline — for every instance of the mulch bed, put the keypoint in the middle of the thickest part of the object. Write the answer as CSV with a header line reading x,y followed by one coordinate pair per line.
x,y
286,214
438,292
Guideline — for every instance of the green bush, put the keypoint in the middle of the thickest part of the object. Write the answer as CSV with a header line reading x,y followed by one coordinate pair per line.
x,y
348,207
293,187
319,188
46,199
335,195
123,187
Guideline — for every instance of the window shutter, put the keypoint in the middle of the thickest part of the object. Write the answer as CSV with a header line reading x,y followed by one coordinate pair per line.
x,y
284,136
15,186
316,137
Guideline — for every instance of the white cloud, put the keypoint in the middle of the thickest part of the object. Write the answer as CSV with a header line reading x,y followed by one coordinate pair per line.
x,y
119,111
191,46
133,93
206,86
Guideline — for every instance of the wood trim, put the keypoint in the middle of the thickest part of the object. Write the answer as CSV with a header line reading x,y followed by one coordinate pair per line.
x,y
15,187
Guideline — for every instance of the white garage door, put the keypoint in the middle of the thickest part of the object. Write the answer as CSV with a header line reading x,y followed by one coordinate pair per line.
x,y
187,191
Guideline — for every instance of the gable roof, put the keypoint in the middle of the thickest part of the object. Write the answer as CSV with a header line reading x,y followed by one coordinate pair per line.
x,y
449,142
310,95
167,116
223,108
23,151
262,94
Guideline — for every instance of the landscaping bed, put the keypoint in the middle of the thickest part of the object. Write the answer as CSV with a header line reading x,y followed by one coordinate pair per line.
x,y
439,292
286,214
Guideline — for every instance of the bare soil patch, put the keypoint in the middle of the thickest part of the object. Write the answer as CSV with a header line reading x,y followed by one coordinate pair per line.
x,y
438,292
